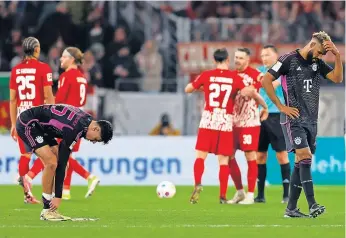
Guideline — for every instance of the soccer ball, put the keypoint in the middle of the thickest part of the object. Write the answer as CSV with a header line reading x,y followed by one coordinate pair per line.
x,y
165,189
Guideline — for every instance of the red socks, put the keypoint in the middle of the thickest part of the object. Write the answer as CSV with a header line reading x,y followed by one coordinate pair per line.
x,y
78,168
198,170
36,168
252,173
68,176
23,167
223,178
235,173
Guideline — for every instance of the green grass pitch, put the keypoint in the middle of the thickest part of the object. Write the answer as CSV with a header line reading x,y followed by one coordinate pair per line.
x,y
137,212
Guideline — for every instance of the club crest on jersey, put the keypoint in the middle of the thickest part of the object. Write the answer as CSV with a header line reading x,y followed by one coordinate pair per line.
x,y
314,67
39,139
297,140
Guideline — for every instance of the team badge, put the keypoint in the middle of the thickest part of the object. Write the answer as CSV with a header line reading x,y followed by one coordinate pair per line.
x,y
39,139
314,67
297,140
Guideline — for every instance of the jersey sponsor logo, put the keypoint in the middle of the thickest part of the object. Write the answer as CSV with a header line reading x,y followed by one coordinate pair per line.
x,y
308,85
297,140
277,66
39,139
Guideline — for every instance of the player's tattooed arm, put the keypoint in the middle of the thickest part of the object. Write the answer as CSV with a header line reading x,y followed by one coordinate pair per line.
x,y
13,113
335,75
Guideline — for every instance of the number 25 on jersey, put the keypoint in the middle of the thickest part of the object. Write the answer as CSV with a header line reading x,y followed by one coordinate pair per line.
x,y
26,82
215,92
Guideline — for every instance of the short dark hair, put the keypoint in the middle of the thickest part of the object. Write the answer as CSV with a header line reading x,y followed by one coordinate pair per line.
x,y
29,45
245,50
106,130
271,47
220,55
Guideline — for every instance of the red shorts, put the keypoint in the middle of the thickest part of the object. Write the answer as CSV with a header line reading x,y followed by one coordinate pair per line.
x,y
215,142
246,138
75,147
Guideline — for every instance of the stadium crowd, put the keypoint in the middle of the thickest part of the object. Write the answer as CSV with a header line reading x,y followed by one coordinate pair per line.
x,y
113,50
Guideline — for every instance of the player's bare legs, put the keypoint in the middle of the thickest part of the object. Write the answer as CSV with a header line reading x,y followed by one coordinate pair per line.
x,y
303,160
251,157
198,170
282,158
50,163
49,157
223,177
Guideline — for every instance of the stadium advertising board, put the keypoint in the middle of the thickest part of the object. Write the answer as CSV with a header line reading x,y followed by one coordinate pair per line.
x,y
150,160
197,56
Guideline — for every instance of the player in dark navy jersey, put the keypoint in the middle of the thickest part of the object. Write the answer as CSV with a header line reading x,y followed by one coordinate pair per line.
x,y
301,72
39,126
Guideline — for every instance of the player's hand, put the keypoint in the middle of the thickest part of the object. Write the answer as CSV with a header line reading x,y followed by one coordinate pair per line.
x,y
14,133
264,114
55,203
329,46
289,111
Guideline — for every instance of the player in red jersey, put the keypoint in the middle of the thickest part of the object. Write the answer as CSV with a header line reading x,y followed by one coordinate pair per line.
x,y
72,90
30,85
215,134
247,128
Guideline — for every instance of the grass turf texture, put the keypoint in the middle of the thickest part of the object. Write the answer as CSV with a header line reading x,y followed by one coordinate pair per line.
x,y
137,212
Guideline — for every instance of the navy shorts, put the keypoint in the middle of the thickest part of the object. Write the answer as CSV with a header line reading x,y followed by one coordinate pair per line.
x,y
271,133
299,136
32,133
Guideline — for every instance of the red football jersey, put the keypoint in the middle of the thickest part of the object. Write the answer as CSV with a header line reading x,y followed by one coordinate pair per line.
x,y
28,79
220,89
246,108
72,88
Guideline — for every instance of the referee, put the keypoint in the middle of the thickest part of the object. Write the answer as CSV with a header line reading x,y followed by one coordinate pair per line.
x,y
271,132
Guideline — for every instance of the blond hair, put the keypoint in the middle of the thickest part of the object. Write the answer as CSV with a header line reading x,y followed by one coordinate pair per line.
x,y
76,54
321,36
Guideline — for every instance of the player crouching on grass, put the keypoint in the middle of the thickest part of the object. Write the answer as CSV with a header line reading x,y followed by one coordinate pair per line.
x,y
215,134
39,126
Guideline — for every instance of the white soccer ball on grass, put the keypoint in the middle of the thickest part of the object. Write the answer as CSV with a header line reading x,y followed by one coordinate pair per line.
x,y
165,189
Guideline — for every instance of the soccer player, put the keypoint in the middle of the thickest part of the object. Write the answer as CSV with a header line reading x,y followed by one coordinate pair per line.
x,y
246,128
271,132
39,126
301,72
215,134
72,91
30,85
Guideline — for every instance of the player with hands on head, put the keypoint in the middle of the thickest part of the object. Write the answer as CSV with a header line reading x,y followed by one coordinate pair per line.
x,y
301,72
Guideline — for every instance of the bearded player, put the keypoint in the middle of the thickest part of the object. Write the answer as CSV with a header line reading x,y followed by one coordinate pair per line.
x,y
72,91
301,73
246,128
215,134
30,85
